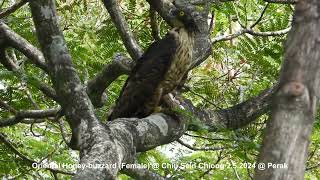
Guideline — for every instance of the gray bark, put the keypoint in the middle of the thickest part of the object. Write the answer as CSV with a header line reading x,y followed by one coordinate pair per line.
x,y
118,141
294,107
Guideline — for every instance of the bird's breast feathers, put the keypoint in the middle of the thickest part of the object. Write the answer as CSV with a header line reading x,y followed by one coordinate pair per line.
x,y
181,60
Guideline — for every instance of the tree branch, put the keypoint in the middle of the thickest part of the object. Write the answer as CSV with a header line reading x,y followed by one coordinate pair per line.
x,y
142,174
35,56
72,95
25,158
260,17
48,91
33,114
313,167
203,148
15,150
202,2
163,7
118,142
8,107
270,33
234,117
120,65
282,1
154,24
23,46
119,21
249,31
289,129
6,61
244,113
13,8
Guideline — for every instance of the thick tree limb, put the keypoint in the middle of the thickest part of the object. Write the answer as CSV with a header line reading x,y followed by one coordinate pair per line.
x,y
120,65
236,116
72,95
4,59
127,36
295,103
13,8
139,134
163,7
246,112
117,142
48,91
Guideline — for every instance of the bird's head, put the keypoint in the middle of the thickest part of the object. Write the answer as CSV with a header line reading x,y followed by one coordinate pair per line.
x,y
183,18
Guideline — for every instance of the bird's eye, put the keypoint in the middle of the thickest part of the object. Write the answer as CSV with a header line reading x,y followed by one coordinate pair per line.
x,y
181,13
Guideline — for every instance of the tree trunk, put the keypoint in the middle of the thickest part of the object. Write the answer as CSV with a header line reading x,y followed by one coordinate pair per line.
x,y
294,107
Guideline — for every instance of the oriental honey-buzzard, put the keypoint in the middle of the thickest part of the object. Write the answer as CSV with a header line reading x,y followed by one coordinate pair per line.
x,y
159,70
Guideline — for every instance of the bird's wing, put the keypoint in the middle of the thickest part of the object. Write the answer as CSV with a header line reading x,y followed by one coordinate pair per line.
x,y
142,84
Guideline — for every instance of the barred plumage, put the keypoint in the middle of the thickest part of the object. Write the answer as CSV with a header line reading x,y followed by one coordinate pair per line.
x,y
158,72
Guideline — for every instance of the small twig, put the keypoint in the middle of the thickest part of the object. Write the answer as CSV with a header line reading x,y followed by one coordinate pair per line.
x,y
62,129
210,169
261,15
202,97
212,23
313,153
211,139
34,103
238,17
4,139
282,1
270,33
2,4
10,145
234,170
50,154
33,133
313,167
204,148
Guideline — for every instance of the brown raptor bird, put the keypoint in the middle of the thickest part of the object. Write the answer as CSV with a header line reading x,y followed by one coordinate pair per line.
x,y
159,71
